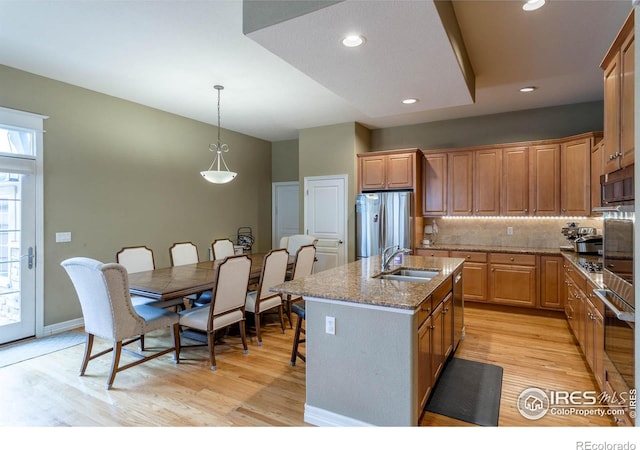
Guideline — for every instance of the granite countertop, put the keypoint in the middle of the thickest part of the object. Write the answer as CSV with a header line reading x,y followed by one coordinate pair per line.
x,y
493,249
353,283
596,278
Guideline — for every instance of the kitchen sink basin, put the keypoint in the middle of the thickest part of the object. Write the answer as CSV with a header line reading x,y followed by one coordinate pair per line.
x,y
411,275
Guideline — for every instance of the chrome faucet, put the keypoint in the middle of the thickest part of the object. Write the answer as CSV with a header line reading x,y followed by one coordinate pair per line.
x,y
386,260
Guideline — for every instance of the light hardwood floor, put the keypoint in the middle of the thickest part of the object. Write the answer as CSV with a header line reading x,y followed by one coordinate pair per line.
x,y
262,389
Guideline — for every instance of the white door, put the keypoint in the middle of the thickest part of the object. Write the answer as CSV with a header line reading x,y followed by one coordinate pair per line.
x,y
17,248
285,211
21,231
325,217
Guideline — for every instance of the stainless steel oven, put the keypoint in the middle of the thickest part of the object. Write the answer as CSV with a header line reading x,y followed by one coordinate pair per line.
x,y
618,296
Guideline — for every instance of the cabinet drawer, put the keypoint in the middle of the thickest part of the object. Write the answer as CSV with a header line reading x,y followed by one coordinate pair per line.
x,y
480,257
424,311
433,253
574,277
441,292
513,259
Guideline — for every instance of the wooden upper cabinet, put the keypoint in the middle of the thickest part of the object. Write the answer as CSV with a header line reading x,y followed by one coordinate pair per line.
x,y
515,181
612,115
400,171
487,182
575,166
434,184
619,71
387,171
544,180
372,172
460,183
597,165
627,134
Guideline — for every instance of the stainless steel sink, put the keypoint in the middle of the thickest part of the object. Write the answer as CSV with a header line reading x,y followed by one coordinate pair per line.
x,y
410,275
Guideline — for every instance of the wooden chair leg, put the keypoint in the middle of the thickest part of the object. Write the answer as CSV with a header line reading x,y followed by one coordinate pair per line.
x,y
212,353
175,334
296,339
280,308
141,344
288,310
243,336
257,316
117,350
87,353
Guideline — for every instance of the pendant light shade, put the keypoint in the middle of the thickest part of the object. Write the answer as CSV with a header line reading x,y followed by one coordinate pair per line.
x,y
217,175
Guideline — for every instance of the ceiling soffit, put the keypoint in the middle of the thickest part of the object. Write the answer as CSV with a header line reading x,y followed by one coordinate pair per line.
x,y
412,50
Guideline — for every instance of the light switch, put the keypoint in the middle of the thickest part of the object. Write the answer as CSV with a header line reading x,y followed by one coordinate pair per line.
x,y
64,236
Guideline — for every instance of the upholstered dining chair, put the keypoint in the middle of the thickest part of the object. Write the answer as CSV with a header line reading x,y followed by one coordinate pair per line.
x,y
294,242
103,291
300,311
273,272
182,253
140,259
226,307
222,248
302,267
136,259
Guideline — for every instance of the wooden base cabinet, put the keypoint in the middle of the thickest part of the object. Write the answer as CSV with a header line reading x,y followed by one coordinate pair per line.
x,y
594,336
512,279
552,282
435,338
475,275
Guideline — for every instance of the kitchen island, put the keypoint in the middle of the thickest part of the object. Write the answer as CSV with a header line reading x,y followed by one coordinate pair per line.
x,y
368,345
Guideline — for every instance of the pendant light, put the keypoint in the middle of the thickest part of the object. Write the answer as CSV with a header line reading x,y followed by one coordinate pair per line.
x,y
216,175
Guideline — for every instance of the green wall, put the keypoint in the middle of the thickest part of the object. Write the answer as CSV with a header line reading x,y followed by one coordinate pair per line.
x,y
284,161
331,150
517,126
119,174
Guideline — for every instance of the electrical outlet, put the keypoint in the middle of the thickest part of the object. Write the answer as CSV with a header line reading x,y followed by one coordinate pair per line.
x,y
64,236
510,231
330,325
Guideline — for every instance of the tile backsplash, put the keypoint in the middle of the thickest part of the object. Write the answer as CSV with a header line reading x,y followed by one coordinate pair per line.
x,y
527,232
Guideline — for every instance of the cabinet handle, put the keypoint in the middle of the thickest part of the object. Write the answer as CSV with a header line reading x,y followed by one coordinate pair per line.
x,y
534,209
468,256
446,310
425,309
511,259
432,327
525,210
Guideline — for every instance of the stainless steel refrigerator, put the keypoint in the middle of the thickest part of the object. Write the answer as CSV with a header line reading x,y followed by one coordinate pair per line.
x,y
383,219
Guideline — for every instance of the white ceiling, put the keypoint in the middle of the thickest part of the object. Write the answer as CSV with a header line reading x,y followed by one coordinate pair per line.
x,y
169,54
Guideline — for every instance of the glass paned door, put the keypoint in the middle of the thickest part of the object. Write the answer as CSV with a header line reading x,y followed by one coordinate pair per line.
x,y
17,248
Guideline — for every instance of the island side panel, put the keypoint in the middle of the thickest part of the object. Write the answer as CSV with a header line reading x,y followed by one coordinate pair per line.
x,y
367,372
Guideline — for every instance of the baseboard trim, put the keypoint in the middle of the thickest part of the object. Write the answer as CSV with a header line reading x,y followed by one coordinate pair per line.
x,y
62,327
323,418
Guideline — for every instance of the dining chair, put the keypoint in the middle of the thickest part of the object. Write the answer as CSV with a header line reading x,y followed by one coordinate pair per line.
x,y
182,253
294,242
299,310
226,307
140,259
273,272
103,291
222,248
302,267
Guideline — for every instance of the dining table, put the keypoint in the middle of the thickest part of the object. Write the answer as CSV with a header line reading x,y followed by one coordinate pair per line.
x,y
169,283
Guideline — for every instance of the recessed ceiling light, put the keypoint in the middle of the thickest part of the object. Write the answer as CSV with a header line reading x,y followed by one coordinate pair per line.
x,y
353,40
532,5
410,101
528,89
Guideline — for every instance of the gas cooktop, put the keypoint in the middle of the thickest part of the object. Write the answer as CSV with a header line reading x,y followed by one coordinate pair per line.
x,y
591,266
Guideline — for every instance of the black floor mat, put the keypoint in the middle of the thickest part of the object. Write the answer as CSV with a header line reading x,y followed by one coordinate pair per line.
x,y
468,391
